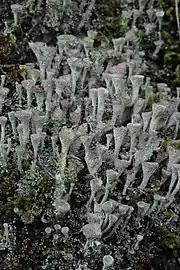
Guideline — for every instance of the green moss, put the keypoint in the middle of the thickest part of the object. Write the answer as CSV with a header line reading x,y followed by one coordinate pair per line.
x,y
168,213
6,45
21,201
166,143
34,191
170,49
69,172
177,145
7,50
169,12
115,26
23,72
169,54
167,239
153,98
13,75
127,91
154,189
112,24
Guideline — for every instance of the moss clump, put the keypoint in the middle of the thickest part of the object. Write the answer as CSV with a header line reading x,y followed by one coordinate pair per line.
x,y
128,91
115,26
34,191
166,143
111,22
153,98
176,145
23,72
161,249
167,240
171,49
8,48
6,45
